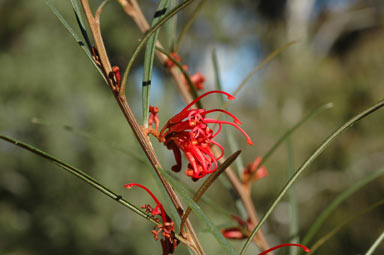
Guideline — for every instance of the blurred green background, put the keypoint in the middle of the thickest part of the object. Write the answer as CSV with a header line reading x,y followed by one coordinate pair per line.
x,y
52,97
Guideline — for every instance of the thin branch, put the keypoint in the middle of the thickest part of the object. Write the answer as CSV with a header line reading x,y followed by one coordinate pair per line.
x,y
204,187
133,10
122,101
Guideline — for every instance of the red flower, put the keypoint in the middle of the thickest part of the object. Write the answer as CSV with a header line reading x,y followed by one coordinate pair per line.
x,y
188,131
166,228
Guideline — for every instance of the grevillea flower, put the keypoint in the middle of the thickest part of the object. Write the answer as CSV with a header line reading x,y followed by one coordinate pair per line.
x,y
166,227
188,132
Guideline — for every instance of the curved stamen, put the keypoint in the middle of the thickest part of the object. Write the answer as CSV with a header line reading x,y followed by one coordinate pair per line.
x,y
236,120
249,141
229,96
211,156
218,131
163,215
199,156
221,148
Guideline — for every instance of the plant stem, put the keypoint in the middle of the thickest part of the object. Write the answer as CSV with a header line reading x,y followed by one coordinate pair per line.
x,y
142,138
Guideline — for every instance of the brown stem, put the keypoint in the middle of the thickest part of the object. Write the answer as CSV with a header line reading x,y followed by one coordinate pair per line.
x,y
94,23
133,10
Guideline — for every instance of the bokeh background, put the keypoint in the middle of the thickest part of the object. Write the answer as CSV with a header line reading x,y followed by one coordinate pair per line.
x,y
52,97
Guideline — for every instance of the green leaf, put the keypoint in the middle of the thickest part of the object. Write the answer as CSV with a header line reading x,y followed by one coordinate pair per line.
x,y
74,35
81,175
80,21
268,59
292,202
337,201
171,28
345,222
192,88
375,244
149,58
287,134
189,23
209,181
196,209
306,163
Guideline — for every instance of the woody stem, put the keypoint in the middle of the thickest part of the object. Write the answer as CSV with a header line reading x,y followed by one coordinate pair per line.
x,y
128,114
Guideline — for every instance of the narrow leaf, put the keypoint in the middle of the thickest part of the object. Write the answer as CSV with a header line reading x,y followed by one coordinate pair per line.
x,y
149,58
336,229
80,21
197,210
375,244
287,134
216,71
292,202
209,181
262,64
306,163
81,175
337,201
74,35
171,28
189,23
185,73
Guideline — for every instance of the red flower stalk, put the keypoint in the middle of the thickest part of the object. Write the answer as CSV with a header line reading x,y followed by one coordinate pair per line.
x,y
167,227
188,131
306,249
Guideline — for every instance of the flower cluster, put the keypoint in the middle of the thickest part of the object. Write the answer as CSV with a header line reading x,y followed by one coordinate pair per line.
x,y
166,228
197,78
188,132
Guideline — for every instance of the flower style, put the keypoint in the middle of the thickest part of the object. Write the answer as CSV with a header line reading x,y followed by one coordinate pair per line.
x,y
188,132
166,228
306,249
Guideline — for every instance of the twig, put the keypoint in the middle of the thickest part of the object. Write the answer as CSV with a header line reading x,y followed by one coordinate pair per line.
x,y
122,101
133,10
